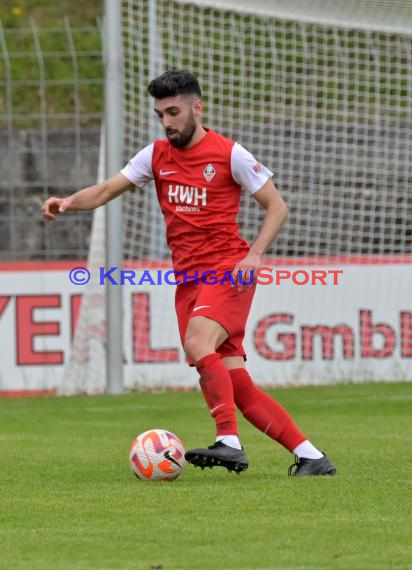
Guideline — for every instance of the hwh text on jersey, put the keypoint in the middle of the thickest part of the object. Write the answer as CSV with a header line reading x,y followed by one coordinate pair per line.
x,y
179,194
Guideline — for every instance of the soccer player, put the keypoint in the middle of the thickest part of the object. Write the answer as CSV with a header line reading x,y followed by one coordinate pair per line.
x,y
199,175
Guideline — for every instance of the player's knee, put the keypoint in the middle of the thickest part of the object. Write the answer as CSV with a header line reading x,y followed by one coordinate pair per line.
x,y
196,346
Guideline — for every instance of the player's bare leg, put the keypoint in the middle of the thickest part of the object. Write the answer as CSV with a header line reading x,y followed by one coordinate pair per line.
x,y
203,337
272,419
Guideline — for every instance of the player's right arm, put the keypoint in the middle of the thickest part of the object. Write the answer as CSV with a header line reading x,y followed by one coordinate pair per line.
x,y
88,198
137,172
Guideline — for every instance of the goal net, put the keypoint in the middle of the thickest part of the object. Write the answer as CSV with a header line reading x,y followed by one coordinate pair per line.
x,y
321,93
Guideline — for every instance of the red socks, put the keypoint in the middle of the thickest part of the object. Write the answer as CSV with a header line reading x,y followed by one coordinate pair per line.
x,y
216,385
263,412
222,388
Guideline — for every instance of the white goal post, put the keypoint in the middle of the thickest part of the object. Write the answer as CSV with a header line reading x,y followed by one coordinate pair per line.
x,y
320,91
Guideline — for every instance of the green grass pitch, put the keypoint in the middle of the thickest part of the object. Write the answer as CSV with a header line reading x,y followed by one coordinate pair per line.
x,y
69,501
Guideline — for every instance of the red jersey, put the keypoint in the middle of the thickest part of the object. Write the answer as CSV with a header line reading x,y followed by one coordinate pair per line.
x,y
198,189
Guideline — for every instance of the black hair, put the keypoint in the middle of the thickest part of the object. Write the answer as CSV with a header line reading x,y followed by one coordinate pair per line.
x,y
172,83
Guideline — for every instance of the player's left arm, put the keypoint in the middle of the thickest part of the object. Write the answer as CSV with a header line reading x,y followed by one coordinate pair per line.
x,y
276,213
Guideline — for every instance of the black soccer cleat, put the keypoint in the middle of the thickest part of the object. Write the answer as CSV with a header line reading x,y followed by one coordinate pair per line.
x,y
218,455
309,467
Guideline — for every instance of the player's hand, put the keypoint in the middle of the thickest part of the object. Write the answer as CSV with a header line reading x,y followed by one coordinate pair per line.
x,y
250,263
54,206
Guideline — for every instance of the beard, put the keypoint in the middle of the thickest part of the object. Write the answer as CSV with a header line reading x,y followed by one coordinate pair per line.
x,y
182,138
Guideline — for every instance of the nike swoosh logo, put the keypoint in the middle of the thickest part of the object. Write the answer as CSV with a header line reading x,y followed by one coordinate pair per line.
x,y
201,307
216,408
166,172
172,459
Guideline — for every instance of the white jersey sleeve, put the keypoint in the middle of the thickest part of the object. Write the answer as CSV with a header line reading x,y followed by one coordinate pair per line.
x,y
247,171
139,169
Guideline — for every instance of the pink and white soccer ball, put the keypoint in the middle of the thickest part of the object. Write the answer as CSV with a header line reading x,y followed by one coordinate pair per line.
x,y
157,455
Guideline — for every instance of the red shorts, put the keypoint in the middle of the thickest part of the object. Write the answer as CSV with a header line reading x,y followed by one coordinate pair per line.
x,y
221,303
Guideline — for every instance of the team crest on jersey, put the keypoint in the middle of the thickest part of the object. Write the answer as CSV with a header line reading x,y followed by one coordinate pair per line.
x,y
209,172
